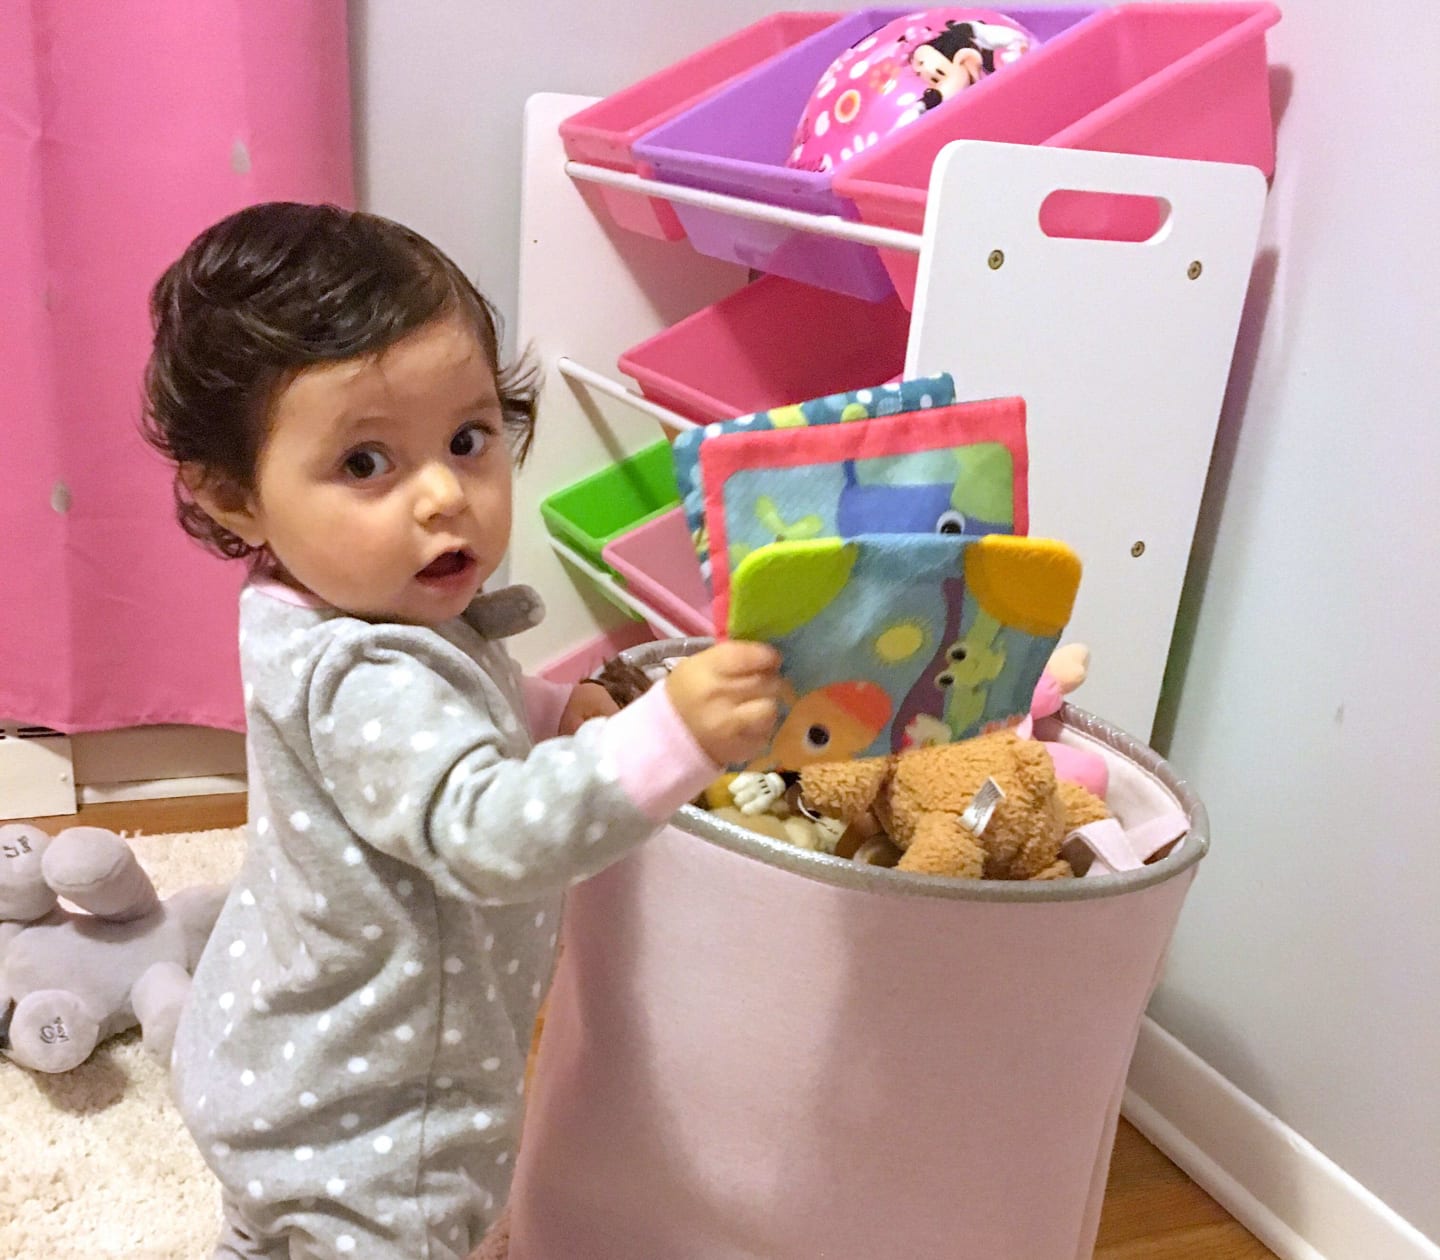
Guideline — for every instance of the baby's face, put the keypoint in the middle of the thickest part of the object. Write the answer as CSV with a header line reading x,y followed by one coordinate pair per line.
x,y
383,486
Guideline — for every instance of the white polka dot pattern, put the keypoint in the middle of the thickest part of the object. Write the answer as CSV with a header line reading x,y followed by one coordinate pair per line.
x,y
364,953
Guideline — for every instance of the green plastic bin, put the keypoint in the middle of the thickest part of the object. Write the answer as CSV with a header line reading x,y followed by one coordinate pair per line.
x,y
592,512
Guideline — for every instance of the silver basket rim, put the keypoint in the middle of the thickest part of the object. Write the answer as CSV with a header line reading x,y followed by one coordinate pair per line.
x,y
844,873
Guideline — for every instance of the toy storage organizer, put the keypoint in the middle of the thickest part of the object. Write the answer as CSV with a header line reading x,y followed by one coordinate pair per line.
x,y
753,1050
726,1107
1123,391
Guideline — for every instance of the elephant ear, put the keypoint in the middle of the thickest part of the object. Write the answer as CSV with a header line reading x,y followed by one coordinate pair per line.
x,y
844,789
776,589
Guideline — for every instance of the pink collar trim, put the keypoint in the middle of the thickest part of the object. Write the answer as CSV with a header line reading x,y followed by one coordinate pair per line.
x,y
285,594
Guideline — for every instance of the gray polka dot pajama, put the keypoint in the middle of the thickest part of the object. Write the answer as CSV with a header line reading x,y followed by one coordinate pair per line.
x,y
351,1058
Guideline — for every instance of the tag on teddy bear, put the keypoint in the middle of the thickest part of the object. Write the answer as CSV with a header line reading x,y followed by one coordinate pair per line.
x,y
982,809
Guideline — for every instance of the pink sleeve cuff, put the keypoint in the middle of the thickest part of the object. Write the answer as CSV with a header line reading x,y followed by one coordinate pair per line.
x,y
545,701
660,764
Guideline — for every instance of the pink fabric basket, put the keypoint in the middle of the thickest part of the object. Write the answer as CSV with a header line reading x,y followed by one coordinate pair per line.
x,y
753,1051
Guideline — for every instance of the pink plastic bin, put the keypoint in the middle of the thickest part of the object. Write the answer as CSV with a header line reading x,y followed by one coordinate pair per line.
x,y
772,342
1165,80
753,1050
603,133
657,561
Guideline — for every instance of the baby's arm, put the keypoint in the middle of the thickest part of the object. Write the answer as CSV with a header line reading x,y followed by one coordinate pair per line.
x,y
563,708
545,701
411,741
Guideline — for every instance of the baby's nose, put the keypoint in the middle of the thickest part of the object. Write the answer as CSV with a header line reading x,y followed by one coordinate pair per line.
x,y
440,493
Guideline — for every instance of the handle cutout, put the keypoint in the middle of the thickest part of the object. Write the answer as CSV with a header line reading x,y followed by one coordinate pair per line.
x,y
1099,216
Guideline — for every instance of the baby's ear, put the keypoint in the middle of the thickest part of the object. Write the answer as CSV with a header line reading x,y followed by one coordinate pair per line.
x,y
223,502
844,789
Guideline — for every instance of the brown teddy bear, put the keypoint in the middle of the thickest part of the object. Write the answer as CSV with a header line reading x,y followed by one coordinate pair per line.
x,y
984,808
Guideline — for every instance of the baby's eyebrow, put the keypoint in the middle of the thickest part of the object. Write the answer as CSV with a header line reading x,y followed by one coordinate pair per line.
x,y
346,426
487,401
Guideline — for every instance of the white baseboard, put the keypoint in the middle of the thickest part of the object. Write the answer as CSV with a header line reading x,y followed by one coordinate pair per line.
x,y
160,789
1288,1194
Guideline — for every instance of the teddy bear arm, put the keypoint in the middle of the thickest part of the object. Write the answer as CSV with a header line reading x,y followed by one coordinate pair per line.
x,y
943,845
1081,805
844,789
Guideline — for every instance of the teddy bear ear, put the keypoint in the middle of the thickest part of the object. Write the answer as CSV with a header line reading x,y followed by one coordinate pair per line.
x,y
1033,766
844,789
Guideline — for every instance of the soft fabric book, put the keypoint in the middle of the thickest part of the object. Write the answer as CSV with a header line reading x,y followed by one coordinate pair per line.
x,y
901,640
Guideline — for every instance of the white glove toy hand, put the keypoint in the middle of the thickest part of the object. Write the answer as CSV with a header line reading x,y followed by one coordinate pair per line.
x,y
754,793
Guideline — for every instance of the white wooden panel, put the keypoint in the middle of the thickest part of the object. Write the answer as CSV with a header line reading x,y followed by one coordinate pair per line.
x,y
36,776
1122,360
587,292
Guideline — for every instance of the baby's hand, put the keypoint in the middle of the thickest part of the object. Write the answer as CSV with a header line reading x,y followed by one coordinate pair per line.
x,y
727,696
588,700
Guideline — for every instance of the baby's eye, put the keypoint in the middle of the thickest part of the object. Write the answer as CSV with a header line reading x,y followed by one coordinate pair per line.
x,y
471,440
365,465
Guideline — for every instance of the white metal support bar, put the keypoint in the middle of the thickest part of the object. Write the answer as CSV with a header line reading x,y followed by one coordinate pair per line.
x,y
573,371
820,224
617,592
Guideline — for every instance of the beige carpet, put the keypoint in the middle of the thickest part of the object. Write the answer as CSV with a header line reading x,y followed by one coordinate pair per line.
x,y
95,1162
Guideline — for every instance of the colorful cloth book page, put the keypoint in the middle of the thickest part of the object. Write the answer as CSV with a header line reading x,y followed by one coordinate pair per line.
x,y
901,640
895,398
961,469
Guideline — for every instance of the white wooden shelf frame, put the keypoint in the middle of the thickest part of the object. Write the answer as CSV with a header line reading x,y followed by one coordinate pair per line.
x,y
1121,350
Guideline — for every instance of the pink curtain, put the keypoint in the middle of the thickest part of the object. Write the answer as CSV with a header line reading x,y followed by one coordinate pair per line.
x,y
124,130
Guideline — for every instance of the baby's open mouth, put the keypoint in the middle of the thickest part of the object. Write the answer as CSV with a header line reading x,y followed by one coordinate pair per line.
x,y
451,564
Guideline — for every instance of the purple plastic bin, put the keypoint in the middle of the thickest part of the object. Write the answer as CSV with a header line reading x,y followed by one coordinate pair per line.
x,y
657,561
602,134
1164,80
737,141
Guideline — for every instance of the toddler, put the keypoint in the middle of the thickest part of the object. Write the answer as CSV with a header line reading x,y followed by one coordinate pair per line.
x,y
327,385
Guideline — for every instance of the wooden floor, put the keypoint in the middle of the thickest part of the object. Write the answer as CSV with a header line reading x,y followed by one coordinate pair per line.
x,y
1152,1210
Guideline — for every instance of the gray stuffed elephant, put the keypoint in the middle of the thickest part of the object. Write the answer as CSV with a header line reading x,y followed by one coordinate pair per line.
x,y
67,980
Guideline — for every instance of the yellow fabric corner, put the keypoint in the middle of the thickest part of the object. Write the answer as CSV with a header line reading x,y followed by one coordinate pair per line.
x,y
1029,583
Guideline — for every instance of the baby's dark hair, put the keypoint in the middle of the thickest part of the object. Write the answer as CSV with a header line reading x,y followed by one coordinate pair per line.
x,y
271,290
